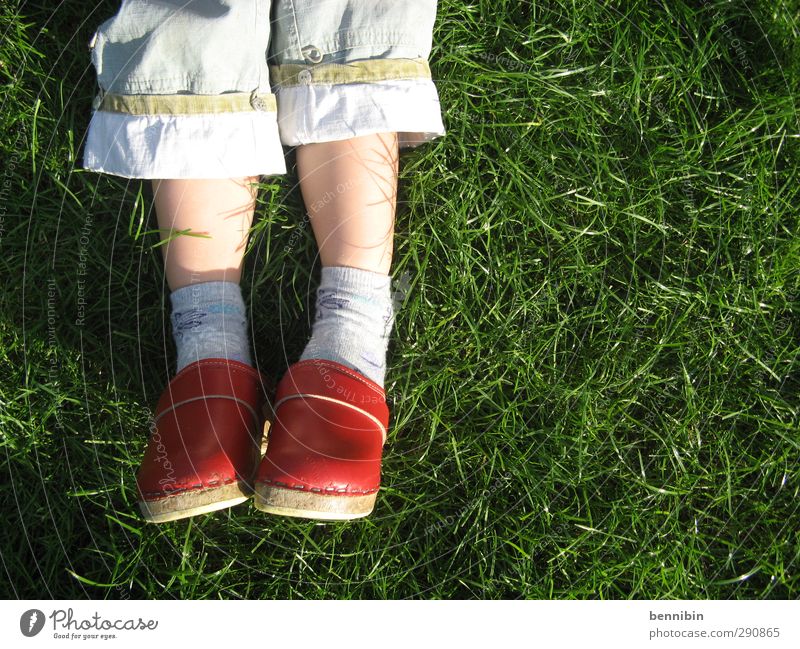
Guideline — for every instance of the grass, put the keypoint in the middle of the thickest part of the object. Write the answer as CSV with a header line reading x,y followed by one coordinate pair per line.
x,y
594,374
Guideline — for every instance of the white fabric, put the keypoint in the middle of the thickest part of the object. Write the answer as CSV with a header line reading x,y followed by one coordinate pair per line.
x,y
225,145
230,145
327,112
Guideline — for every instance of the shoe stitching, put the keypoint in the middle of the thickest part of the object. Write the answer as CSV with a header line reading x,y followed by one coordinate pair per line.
x,y
195,487
329,490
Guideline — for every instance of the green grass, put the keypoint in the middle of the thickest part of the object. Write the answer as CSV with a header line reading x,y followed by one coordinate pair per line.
x,y
594,375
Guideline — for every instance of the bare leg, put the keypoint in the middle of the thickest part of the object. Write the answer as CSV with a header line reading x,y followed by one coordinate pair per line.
x,y
350,191
220,209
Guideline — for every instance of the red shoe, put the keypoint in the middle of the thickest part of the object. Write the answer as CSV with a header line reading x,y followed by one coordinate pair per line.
x,y
323,456
205,441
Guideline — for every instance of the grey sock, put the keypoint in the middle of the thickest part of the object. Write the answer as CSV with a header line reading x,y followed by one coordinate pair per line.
x,y
209,321
354,318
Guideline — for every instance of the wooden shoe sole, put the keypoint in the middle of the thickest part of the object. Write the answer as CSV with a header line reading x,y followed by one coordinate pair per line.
x,y
305,504
173,508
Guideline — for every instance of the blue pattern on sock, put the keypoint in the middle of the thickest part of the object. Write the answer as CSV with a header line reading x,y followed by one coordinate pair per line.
x,y
354,317
209,321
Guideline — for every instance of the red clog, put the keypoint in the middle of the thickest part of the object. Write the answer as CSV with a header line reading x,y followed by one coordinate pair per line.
x,y
324,447
205,441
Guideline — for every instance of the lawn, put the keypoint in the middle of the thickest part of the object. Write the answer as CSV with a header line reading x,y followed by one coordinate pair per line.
x,y
594,373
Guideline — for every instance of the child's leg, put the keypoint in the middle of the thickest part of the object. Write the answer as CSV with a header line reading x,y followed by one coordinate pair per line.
x,y
221,210
351,80
350,189
186,95
203,272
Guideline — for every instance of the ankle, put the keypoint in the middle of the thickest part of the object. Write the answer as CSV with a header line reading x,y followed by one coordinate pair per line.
x,y
354,317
